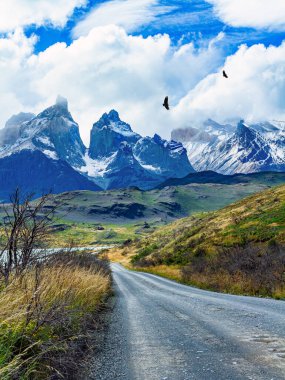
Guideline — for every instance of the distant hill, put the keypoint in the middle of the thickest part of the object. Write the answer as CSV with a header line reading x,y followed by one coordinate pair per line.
x,y
209,191
269,178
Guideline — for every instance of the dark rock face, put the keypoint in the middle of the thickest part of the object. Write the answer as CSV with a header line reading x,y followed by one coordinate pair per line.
x,y
107,135
253,145
169,158
125,171
33,172
246,147
120,210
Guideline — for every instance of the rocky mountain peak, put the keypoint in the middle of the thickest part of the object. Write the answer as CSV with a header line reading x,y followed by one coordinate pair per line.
x,y
58,110
157,139
248,137
55,133
62,102
243,129
108,133
112,120
113,115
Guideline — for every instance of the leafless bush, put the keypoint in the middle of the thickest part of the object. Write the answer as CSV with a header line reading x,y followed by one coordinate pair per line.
x,y
26,229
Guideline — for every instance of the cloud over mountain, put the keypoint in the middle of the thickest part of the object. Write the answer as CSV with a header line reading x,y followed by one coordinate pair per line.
x,y
105,69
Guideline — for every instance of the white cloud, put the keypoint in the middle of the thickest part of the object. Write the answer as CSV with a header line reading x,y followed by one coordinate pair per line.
x,y
19,13
105,69
255,90
110,69
269,14
15,78
129,14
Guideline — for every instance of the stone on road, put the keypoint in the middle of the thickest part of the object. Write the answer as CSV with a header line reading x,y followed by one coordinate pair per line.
x,y
160,329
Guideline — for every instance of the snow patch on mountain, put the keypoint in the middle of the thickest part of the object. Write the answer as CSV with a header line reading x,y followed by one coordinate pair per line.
x,y
95,167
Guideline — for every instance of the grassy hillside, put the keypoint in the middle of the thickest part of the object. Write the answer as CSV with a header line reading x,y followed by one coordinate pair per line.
x,y
109,217
239,248
123,214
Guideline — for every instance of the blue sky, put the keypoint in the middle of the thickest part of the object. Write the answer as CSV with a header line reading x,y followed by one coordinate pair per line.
x,y
128,54
192,20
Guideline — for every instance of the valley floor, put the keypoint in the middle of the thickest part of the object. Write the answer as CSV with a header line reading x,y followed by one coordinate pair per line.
x,y
164,330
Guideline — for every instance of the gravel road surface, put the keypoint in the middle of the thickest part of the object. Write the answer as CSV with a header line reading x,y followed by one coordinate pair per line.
x,y
162,330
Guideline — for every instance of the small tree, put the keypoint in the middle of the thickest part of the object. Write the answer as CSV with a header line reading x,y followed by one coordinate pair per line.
x,y
26,229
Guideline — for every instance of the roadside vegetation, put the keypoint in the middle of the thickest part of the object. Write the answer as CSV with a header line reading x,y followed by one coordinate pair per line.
x,y
239,249
48,302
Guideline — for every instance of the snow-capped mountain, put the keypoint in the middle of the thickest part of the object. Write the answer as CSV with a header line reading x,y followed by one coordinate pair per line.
x,y
125,169
241,149
117,156
53,132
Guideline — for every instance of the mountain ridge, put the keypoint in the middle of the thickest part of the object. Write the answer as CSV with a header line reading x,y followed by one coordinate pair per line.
x,y
113,158
241,149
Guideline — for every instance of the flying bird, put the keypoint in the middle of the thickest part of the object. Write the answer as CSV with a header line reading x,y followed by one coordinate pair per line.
x,y
166,103
225,75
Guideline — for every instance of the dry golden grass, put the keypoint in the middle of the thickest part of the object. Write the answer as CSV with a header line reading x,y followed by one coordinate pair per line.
x,y
170,272
41,311
76,287
121,255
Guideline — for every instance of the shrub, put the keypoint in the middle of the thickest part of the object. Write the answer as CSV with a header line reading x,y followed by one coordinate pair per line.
x,y
143,253
248,269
